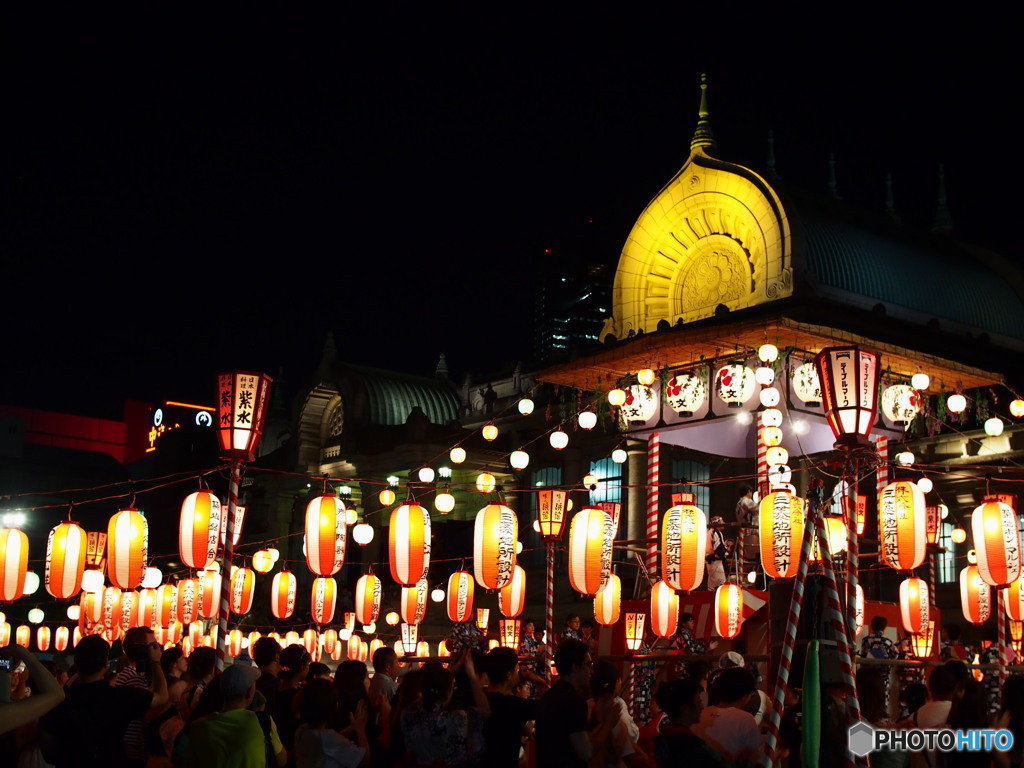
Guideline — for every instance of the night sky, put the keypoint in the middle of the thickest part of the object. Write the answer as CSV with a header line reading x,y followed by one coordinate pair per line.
x,y
178,207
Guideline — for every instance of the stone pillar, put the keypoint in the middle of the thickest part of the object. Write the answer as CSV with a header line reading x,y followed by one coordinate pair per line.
x,y
636,482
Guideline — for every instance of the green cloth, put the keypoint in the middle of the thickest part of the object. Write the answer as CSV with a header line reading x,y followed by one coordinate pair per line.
x,y
232,739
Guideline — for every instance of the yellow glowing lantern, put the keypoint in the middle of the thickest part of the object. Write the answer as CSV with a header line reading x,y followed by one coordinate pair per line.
x,y
512,597
234,642
976,596
325,535
460,597
836,534
111,606
262,562
489,432
65,560
23,635
684,537
664,609
188,600
635,630
921,643
485,482
457,455
997,542
127,548
735,384
777,455
330,638
322,599
199,529
392,618
483,617
311,642
772,436
616,397
646,376
209,594
914,605
409,544
414,602
145,608
368,590
607,601
849,381
589,564
959,535
60,639
508,633
494,546
444,502
129,610
13,563
902,525
686,393
519,459
166,605
1017,408
386,497
551,509
728,610
243,580
781,533
43,638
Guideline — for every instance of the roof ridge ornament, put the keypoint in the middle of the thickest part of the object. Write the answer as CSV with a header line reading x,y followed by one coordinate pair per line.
x,y
943,222
703,137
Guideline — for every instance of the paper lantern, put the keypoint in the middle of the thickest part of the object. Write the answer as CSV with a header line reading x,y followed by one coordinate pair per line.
x,y
188,600
409,544
92,580
508,633
489,432
353,650
241,409
920,381
806,384
519,459
325,535
127,548
367,599
457,455
734,384
858,610
641,405
526,406
588,564
444,502
199,529
780,519
129,610
483,617
914,605
145,608
616,397
91,604
902,525
414,602
166,605
993,426
111,606
60,639
243,581
1017,408
921,643
777,455
494,546
427,474
236,529
152,577
512,597
771,436
235,642
956,403
291,637
849,381
728,610
460,597
311,642
386,497
686,393
765,376
410,638
769,396
997,542
23,635
607,602
587,419
13,563
664,609
900,403
976,596
771,417
362,533
619,456
262,562
209,594
558,439
684,538
330,639
283,589
551,509
65,560
323,597
635,630
838,539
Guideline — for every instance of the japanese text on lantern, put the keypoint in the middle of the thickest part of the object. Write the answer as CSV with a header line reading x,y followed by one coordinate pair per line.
x,y
781,529
606,548
506,547
673,541
891,514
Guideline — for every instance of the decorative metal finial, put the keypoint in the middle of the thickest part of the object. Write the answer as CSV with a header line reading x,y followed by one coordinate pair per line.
x,y
703,137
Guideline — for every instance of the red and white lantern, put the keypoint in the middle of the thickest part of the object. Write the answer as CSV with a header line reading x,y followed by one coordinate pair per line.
x,y
512,597
209,594
43,638
323,598
188,600
330,638
243,582
414,602
166,605
728,610
460,597
145,611
367,599
282,594
60,639
235,642
494,546
13,564
508,633
781,533
110,605
127,548
1013,600
325,535
684,540
587,561
241,409
607,602
997,543
914,605
976,596
129,610
65,560
902,525
199,529
409,544
664,609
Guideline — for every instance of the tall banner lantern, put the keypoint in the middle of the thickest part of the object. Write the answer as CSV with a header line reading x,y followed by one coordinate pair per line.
x,y
494,546
781,533
65,560
409,544
996,542
325,534
902,525
684,537
127,548
199,529
460,597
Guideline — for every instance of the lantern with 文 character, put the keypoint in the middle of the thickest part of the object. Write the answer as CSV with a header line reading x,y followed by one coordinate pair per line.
x,y
849,385
640,405
976,596
241,408
323,597
460,597
508,632
166,605
922,642
914,609
127,548
902,525
243,581
607,602
494,546
587,566
409,544
684,537
367,598
414,602
635,630
686,393
325,534
551,513
664,609
512,597
199,529
735,384
728,610
997,542
65,560
188,600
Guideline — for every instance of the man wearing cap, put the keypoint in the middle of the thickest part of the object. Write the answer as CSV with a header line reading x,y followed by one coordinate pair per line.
x,y
716,555
234,737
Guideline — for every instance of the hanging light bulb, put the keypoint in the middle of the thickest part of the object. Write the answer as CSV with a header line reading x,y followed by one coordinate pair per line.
x,y
920,381
587,420
526,406
768,353
956,403
558,439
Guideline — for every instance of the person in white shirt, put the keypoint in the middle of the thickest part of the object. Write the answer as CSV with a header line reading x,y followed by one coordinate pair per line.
x,y
724,725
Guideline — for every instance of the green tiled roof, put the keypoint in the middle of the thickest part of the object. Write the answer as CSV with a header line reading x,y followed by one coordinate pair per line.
x,y
391,397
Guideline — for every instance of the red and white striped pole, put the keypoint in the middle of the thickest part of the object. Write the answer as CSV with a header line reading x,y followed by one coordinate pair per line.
x,y
882,476
852,562
1001,634
225,564
653,487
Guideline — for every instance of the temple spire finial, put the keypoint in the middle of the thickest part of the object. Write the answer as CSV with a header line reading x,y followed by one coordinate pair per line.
x,y
772,172
890,200
943,222
703,137
833,184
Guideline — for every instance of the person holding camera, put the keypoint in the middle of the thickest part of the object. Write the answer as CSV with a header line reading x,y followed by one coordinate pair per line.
x,y
142,671
46,694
